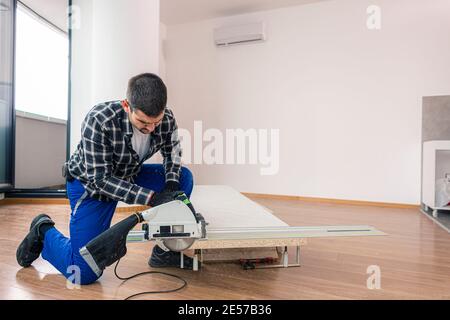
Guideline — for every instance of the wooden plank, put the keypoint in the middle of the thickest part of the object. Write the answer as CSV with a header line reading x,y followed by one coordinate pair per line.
x,y
235,221
247,243
225,207
238,222
277,236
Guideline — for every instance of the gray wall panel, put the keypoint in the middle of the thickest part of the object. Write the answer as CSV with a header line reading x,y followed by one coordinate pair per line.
x,y
436,118
40,153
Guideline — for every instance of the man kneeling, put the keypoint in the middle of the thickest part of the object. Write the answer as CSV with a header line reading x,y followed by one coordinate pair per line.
x,y
107,167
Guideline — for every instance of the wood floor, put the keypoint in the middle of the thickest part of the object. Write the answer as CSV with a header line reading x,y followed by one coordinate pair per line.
x,y
414,259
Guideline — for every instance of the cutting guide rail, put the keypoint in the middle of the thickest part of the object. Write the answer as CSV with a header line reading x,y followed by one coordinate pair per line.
x,y
227,237
289,232
275,233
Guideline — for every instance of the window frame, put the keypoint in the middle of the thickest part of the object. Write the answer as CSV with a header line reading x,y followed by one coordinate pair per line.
x,y
10,159
39,192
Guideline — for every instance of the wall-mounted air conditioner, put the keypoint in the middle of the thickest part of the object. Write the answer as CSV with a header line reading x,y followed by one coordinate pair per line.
x,y
248,33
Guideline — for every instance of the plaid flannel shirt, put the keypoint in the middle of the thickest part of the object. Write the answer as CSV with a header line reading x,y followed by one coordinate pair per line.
x,y
105,162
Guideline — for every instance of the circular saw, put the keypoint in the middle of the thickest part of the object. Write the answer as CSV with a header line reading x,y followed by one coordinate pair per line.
x,y
175,225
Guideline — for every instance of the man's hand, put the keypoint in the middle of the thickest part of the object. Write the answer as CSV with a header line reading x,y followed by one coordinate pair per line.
x,y
164,197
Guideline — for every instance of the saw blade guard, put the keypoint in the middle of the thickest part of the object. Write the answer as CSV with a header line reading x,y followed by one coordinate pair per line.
x,y
175,225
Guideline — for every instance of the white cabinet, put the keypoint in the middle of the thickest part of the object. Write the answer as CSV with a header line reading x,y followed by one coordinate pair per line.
x,y
435,165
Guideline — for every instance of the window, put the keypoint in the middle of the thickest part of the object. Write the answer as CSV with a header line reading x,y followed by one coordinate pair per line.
x,y
6,91
42,58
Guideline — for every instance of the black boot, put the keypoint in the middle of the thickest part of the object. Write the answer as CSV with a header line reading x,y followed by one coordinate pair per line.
x,y
31,247
167,259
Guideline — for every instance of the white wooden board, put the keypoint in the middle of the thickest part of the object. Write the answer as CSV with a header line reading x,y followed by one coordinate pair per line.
x,y
225,207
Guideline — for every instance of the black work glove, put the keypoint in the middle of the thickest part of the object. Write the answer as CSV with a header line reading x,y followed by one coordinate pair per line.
x,y
171,186
164,197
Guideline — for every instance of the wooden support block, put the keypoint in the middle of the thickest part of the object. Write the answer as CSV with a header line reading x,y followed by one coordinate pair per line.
x,y
234,254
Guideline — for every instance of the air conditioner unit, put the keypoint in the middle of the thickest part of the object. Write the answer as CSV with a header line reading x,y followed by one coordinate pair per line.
x,y
226,36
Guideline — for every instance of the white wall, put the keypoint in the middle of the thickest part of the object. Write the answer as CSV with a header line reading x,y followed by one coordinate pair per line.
x,y
114,41
81,69
347,100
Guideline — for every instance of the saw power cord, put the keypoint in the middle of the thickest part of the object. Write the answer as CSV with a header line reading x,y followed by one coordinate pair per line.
x,y
150,272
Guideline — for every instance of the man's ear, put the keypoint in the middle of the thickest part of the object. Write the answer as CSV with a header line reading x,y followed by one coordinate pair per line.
x,y
126,106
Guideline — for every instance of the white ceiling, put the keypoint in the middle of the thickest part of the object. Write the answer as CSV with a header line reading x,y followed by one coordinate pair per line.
x,y
174,11
183,11
52,10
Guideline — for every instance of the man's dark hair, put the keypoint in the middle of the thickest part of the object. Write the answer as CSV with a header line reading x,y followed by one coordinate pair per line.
x,y
148,93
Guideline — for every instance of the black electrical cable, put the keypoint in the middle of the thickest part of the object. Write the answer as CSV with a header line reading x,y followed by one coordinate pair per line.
x,y
150,272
